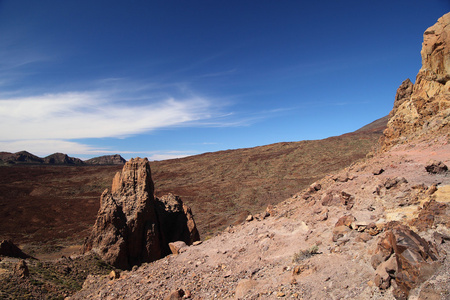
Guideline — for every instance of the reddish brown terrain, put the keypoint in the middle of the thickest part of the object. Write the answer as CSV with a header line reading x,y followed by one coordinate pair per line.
x,y
376,229
50,206
46,207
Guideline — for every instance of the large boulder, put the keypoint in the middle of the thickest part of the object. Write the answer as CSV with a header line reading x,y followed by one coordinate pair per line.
x,y
403,259
134,227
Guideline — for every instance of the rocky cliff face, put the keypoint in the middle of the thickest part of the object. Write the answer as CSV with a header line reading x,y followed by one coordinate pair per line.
x,y
424,108
132,225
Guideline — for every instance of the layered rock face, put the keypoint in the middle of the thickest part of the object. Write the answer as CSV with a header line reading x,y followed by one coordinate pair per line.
x,y
424,108
133,226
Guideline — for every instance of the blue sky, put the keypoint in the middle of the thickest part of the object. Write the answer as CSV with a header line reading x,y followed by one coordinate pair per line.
x,y
164,79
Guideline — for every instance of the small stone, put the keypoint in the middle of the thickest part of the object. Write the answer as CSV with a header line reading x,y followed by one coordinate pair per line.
x,y
196,243
176,247
114,275
280,294
377,171
432,189
249,218
436,167
174,295
345,220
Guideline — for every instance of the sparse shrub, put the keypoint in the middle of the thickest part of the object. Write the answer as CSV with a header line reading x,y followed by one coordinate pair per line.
x,y
305,254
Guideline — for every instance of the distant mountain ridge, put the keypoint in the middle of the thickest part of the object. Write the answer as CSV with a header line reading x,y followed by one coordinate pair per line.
x,y
24,157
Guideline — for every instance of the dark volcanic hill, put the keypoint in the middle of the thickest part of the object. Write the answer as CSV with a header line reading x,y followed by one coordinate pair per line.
x,y
24,157
115,159
62,159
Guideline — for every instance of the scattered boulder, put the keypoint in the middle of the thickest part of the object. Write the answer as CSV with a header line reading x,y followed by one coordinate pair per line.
x,y
340,232
176,247
330,199
345,220
133,226
432,214
270,210
314,187
393,182
402,259
377,171
322,214
114,275
347,200
21,269
436,167
174,295
342,178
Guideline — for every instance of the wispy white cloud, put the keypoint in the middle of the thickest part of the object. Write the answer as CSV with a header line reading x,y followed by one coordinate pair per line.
x,y
46,147
77,115
50,123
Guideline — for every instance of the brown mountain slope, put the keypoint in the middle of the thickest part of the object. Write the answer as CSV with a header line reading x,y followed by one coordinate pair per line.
x,y
44,205
224,187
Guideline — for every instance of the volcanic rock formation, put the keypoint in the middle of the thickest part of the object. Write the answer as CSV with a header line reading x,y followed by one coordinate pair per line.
x,y
425,109
132,225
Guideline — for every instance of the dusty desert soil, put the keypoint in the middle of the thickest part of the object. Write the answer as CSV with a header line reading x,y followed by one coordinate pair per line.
x,y
261,259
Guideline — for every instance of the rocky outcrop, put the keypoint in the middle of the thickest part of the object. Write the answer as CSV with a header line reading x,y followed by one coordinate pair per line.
x,y
403,259
176,220
21,269
403,94
115,159
133,226
426,109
